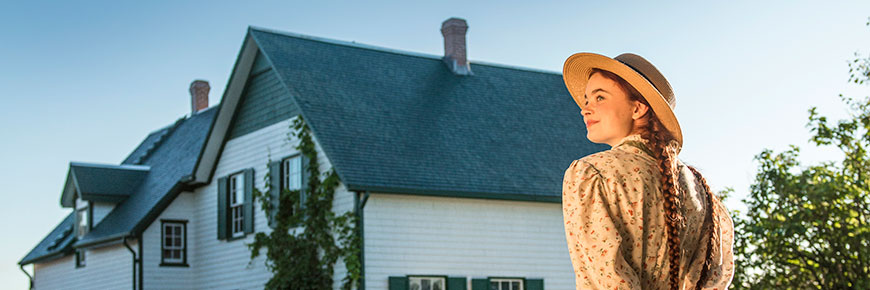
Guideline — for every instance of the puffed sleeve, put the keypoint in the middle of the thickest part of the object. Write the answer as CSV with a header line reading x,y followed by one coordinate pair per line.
x,y
593,240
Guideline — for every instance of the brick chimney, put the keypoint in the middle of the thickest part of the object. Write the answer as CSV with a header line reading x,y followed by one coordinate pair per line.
x,y
199,95
455,57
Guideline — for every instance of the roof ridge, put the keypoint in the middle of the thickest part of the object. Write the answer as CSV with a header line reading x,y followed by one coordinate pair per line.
x,y
392,50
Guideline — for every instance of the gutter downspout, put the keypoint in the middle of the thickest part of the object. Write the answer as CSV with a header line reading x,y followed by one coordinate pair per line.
x,y
141,242
358,208
28,276
135,260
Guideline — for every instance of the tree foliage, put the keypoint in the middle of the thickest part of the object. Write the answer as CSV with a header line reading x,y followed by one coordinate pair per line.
x,y
807,226
301,250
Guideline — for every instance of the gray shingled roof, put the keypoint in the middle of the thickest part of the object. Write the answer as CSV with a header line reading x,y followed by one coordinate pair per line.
x,y
170,161
402,122
56,244
171,153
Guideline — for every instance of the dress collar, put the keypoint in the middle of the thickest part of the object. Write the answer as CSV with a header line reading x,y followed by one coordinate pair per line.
x,y
633,142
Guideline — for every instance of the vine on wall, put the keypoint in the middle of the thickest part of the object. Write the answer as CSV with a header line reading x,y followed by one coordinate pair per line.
x,y
301,249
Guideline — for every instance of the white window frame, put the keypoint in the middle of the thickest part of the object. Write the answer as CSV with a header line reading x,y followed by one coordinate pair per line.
x,y
291,173
500,283
236,204
177,235
427,282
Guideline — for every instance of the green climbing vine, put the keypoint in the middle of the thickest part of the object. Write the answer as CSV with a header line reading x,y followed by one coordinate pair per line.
x,y
301,249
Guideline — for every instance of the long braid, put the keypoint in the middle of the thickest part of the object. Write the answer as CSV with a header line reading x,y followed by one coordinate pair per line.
x,y
665,152
712,202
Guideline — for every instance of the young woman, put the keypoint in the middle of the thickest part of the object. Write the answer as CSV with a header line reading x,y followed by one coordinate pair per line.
x,y
635,216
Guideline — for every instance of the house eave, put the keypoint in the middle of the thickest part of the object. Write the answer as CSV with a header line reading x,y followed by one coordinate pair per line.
x,y
104,241
45,258
212,147
461,194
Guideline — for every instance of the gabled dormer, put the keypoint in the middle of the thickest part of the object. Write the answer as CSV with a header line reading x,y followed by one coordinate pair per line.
x,y
93,190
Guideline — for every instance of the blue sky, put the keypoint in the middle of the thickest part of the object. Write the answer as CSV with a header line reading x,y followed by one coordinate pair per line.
x,y
87,82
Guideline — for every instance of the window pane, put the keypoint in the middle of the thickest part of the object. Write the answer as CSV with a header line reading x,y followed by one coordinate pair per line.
x,y
426,284
232,189
296,165
291,173
515,286
239,189
437,285
83,222
493,286
238,219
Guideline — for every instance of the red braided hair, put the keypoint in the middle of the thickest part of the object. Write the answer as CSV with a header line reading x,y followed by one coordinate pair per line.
x,y
664,148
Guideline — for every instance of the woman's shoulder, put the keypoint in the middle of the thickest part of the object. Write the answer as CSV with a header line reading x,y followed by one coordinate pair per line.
x,y
614,162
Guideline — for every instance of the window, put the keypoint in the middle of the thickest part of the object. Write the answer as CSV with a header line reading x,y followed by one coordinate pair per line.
x,y
237,200
291,175
83,225
427,283
235,205
173,243
287,174
505,284
80,258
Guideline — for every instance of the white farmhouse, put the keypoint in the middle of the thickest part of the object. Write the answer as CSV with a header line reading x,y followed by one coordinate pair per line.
x,y
454,168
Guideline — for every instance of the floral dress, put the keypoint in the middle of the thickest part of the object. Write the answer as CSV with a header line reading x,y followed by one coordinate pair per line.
x,y
613,209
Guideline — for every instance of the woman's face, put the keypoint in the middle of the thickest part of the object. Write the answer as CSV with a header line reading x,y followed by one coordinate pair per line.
x,y
609,114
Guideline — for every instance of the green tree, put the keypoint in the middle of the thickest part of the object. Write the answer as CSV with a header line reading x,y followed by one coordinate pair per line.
x,y
807,226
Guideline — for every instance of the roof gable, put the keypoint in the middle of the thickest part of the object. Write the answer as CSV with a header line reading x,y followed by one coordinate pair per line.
x,y
101,182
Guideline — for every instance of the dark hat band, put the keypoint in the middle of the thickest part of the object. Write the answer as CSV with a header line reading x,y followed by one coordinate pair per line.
x,y
639,72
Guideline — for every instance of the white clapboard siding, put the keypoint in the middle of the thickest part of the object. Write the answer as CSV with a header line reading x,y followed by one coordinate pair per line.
x,y
107,268
463,237
221,264
101,209
169,277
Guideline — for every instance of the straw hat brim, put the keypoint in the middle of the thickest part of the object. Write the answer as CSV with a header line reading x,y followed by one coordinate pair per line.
x,y
576,73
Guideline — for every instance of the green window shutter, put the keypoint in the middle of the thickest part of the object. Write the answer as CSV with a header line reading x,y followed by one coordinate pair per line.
x,y
479,284
248,207
303,194
222,208
398,283
275,192
534,284
456,283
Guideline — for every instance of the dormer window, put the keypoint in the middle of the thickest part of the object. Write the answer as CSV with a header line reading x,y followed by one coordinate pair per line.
x,y
82,222
84,213
84,216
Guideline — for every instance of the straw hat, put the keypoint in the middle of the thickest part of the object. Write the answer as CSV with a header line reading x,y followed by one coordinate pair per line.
x,y
637,71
